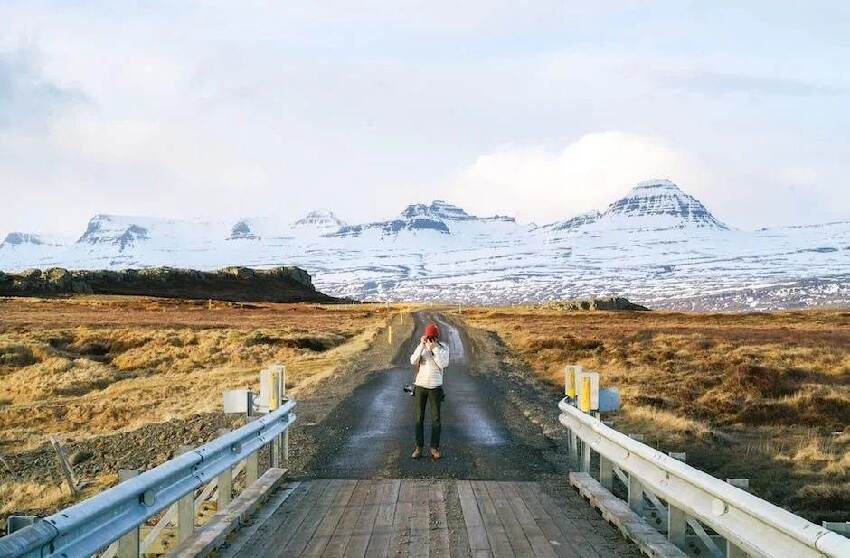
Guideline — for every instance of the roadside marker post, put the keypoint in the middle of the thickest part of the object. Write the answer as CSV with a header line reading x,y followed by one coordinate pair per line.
x,y
570,372
584,395
570,392
271,397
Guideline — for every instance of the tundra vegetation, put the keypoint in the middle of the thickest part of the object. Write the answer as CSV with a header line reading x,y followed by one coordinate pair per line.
x,y
764,396
92,366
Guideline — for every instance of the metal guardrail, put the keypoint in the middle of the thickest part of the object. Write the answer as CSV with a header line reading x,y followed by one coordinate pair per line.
x,y
89,526
749,524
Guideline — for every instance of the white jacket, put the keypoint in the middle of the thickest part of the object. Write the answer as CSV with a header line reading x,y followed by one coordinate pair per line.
x,y
431,363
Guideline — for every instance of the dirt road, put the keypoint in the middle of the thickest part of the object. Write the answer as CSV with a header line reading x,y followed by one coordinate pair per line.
x,y
483,438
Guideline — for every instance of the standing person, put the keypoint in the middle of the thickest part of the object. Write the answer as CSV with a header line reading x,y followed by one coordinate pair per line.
x,y
432,357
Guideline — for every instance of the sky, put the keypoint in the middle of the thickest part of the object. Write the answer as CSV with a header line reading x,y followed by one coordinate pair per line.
x,y
541,110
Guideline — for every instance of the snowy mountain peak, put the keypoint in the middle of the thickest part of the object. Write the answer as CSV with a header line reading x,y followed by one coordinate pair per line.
x,y
320,219
574,222
22,239
113,229
438,209
654,186
242,230
659,204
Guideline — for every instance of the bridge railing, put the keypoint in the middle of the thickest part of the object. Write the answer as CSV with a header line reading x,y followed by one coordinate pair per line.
x,y
90,526
750,525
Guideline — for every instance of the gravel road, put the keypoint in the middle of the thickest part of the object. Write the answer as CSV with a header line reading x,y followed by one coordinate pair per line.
x,y
370,433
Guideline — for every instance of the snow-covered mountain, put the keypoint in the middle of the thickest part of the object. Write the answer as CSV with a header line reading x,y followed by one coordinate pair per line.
x,y
652,205
657,245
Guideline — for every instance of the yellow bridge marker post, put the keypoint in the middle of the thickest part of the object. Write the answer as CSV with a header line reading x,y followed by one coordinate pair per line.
x,y
584,396
584,406
570,381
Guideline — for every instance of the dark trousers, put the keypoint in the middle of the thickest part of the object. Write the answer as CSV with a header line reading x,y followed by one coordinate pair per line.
x,y
423,396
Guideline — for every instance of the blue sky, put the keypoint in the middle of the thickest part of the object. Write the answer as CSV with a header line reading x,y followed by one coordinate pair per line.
x,y
221,110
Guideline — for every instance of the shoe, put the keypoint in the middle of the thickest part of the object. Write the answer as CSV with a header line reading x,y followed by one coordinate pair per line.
x,y
417,453
435,453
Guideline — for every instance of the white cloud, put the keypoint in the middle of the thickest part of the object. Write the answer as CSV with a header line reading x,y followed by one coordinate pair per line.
x,y
536,183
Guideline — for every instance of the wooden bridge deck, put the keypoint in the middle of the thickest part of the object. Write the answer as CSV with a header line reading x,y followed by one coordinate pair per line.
x,y
412,517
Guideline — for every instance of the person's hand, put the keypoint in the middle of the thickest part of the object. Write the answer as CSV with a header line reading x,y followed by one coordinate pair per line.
x,y
423,341
429,344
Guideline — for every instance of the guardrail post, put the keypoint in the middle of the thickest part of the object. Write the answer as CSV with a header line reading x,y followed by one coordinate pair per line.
x,y
677,522
573,448
128,543
252,467
733,551
225,482
585,457
185,509
635,494
606,472
284,437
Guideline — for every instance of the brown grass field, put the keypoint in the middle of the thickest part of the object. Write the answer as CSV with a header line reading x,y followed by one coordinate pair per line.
x,y
764,396
89,366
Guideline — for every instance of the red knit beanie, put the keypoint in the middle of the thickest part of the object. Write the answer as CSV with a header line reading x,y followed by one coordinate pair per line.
x,y
431,330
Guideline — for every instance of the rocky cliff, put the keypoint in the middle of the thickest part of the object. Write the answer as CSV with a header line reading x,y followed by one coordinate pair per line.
x,y
279,284
610,304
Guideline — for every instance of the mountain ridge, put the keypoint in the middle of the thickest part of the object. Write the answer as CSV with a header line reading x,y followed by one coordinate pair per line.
x,y
655,244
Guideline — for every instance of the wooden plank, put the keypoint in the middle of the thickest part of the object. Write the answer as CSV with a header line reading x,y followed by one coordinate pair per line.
x,y
496,535
325,530
314,518
405,493
284,498
514,531
212,535
581,542
379,540
563,547
359,541
634,527
533,532
345,528
420,543
286,523
400,535
472,518
440,530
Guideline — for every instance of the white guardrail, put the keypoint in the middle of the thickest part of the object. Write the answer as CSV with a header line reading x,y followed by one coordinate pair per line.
x,y
750,525
90,526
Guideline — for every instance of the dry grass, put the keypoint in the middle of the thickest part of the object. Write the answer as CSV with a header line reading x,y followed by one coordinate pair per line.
x,y
95,365
746,395
89,366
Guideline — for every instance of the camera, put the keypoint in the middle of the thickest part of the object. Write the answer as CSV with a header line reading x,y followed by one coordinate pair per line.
x,y
408,389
